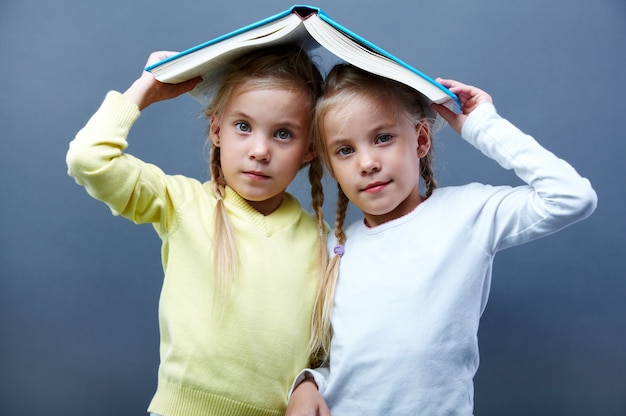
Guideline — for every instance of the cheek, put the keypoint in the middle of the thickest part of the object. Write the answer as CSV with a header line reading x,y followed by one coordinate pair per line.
x,y
289,162
340,172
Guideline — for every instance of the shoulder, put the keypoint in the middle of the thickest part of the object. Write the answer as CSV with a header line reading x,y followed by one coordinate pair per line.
x,y
470,192
184,193
471,201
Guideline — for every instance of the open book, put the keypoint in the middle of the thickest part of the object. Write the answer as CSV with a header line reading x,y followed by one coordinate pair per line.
x,y
312,29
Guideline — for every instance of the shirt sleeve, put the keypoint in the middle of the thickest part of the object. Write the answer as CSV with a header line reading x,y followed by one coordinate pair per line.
x,y
319,375
555,195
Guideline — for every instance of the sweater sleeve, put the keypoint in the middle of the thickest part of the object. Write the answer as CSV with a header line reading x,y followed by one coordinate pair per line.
x,y
555,195
96,160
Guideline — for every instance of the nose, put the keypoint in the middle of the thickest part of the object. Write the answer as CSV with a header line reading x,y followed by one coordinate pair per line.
x,y
368,163
259,148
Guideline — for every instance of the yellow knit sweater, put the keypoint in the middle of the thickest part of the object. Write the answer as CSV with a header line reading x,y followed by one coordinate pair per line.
x,y
239,360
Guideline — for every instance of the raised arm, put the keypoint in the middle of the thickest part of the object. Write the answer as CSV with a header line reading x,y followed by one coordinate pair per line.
x,y
556,195
96,157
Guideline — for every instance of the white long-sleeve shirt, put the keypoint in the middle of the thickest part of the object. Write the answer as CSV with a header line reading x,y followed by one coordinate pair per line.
x,y
411,292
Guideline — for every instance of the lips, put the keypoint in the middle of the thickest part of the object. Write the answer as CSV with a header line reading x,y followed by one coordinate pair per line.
x,y
375,186
256,175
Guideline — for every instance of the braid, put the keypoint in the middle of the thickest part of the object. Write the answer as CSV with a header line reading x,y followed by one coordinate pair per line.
x,y
427,173
215,163
224,249
340,217
321,326
316,172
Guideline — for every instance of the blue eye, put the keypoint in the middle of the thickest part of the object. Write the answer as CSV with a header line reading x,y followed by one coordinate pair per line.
x,y
283,135
384,138
242,126
344,151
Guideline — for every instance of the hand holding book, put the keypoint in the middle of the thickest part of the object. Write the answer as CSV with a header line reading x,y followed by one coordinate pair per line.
x,y
147,89
470,98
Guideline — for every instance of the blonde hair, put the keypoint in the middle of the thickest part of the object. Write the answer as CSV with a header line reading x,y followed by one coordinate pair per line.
x,y
344,84
283,67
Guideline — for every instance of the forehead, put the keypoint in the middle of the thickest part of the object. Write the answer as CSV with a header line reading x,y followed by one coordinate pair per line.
x,y
365,109
277,84
267,94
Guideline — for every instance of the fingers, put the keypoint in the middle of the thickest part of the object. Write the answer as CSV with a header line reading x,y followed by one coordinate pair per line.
x,y
460,89
171,90
188,85
454,120
469,95
449,83
159,56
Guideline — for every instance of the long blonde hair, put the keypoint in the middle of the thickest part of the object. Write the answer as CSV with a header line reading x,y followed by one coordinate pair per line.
x,y
283,66
344,84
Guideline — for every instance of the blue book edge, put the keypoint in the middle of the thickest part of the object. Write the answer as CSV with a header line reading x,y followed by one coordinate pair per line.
x,y
383,52
327,19
223,37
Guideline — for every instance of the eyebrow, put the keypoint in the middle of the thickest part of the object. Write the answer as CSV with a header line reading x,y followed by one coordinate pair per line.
x,y
376,130
338,142
287,123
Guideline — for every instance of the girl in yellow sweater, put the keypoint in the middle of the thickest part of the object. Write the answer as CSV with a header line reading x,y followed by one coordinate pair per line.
x,y
241,258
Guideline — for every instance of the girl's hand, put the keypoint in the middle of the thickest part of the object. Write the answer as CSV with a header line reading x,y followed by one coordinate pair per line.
x,y
306,400
470,97
147,90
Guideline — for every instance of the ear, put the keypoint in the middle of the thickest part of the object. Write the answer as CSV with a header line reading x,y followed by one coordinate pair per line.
x,y
422,131
308,156
214,131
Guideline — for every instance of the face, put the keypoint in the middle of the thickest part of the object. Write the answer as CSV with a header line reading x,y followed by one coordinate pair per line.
x,y
374,155
263,141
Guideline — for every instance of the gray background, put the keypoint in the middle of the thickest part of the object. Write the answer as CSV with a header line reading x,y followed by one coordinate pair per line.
x,y
79,288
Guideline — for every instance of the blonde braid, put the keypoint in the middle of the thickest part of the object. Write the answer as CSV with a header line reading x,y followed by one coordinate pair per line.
x,y
322,328
224,248
340,217
427,173
316,172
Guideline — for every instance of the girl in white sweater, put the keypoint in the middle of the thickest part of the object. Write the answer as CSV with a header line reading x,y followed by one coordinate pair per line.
x,y
397,317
